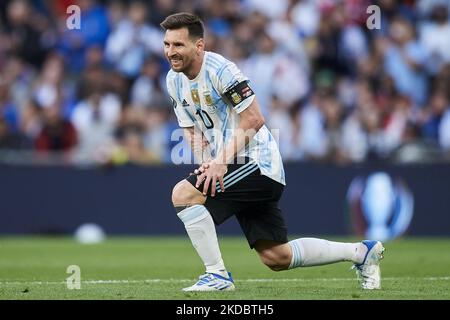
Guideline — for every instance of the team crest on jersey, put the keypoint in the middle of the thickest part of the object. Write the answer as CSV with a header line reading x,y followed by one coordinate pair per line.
x,y
236,98
208,99
209,102
195,96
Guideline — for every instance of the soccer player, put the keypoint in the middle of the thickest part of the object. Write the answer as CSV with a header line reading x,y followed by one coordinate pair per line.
x,y
242,172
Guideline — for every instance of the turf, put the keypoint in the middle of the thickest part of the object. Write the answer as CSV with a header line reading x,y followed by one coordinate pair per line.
x,y
158,267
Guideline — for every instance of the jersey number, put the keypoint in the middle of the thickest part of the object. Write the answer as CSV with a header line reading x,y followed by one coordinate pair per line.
x,y
209,124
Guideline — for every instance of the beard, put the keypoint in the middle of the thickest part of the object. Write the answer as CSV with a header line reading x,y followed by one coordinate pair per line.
x,y
180,64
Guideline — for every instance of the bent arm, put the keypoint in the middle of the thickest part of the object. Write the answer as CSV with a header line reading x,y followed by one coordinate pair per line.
x,y
251,120
198,144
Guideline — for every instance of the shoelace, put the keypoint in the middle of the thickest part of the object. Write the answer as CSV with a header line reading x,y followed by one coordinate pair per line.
x,y
205,278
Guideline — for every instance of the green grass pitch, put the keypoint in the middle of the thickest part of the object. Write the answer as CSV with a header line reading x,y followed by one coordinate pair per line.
x,y
158,267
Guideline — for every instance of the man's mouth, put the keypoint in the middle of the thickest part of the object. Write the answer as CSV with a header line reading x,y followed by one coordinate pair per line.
x,y
175,61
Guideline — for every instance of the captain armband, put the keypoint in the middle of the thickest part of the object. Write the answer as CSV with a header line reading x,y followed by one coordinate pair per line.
x,y
238,93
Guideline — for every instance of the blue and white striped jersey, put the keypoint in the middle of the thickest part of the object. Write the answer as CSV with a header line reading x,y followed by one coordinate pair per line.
x,y
200,102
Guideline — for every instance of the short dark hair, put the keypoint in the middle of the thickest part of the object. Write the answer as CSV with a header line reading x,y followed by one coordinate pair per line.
x,y
184,20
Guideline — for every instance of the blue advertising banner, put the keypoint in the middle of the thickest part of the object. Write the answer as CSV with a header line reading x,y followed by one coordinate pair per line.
x,y
318,199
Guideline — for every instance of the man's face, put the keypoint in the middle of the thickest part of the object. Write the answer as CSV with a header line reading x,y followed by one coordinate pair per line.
x,y
179,49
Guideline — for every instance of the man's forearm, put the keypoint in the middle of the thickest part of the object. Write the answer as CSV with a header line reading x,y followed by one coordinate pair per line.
x,y
240,139
250,123
197,144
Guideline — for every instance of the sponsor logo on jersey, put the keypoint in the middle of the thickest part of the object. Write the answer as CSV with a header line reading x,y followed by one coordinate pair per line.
x,y
185,104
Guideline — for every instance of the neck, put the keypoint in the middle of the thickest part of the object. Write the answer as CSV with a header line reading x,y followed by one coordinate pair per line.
x,y
195,68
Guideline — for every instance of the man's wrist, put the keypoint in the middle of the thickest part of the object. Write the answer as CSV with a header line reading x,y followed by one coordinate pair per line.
x,y
219,162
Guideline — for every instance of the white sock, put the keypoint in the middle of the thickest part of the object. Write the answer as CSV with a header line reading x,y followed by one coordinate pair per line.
x,y
202,232
308,252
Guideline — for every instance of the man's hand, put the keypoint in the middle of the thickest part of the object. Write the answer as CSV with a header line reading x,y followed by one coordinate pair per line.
x,y
201,169
211,172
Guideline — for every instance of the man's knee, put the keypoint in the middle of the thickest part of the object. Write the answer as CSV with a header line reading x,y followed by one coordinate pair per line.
x,y
273,263
185,194
277,259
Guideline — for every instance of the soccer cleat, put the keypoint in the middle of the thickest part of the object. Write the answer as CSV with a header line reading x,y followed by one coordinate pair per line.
x,y
212,282
368,272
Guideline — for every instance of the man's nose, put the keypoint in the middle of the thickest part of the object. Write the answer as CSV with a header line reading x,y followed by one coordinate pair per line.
x,y
170,51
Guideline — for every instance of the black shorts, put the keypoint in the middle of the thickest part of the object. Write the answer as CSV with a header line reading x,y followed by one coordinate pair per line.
x,y
252,198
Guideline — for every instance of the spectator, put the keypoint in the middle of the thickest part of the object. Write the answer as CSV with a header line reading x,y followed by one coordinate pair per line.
x,y
94,32
405,60
8,111
270,68
284,124
95,118
432,126
57,134
395,124
12,140
434,36
24,36
157,132
336,90
149,88
360,138
128,46
444,130
333,113
130,145
306,17
51,85
314,142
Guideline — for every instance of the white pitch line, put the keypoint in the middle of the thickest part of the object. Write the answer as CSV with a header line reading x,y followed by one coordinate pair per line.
x,y
446,278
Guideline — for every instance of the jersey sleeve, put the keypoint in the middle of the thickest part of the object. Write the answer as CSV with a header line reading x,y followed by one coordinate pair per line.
x,y
184,120
234,87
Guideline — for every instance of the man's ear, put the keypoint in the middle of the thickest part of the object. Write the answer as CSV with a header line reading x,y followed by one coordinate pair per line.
x,y
200,44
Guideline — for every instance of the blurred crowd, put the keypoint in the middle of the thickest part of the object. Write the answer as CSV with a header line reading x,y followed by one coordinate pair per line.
x,y
336,90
